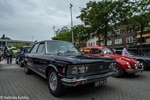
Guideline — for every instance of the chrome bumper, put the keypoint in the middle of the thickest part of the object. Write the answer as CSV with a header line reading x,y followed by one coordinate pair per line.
x,y
84,80
134,70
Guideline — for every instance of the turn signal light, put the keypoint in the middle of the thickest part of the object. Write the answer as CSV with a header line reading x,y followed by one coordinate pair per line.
x,y
63,70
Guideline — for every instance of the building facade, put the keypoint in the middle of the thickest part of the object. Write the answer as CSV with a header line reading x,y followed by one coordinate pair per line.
x,y
4,42
123,38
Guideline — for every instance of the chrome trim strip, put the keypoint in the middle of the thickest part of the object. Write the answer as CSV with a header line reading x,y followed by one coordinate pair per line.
x,y
38,72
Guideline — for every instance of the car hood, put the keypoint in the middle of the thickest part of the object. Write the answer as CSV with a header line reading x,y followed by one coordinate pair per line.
x,y
81,59
117,56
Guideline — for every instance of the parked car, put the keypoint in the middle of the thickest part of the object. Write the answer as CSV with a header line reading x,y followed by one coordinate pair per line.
x,y
124,64
64,65
21,54
1,54
142,59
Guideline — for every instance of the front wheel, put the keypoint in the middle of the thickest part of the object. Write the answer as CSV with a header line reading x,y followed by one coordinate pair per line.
x,y
144,65
54,82
118,71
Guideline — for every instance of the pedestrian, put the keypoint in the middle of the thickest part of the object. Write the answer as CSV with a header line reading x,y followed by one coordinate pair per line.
x,y
4,52
9,54
125,51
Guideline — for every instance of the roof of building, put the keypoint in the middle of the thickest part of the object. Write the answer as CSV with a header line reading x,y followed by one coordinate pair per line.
x,y
15,41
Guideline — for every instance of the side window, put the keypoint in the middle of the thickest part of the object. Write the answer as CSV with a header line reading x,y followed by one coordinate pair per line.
x,y
41,49
95,51
34,49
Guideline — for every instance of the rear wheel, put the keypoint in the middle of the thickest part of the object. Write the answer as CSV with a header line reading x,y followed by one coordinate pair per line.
x,y
16,62
27,70
118,71
54,82
21,64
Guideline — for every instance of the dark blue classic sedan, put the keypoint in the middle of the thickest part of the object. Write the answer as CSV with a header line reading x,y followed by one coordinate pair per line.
x,y
63,65
142,59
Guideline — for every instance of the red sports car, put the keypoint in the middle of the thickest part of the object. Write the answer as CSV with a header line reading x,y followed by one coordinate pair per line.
x,y
124,64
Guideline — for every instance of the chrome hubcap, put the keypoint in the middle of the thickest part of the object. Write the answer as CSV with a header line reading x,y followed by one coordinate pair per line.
x,y
53,81
116,70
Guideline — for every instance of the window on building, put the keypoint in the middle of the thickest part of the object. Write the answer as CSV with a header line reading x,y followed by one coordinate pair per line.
x,y
117,31
101,43
129,39
93,43
118,41
109,42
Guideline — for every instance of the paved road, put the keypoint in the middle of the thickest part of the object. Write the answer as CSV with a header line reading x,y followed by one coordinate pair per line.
x,y
15,84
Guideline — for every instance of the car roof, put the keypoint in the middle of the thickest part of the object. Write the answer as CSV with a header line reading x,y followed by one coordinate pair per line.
x,y
100,47
52,41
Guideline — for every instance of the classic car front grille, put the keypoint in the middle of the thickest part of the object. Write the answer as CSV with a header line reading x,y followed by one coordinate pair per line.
x,y
92,69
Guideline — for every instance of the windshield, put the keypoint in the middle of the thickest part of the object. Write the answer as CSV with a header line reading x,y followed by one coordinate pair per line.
x,y
61,47
107,50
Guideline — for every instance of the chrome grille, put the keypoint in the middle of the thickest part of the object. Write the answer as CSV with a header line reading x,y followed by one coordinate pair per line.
x,y
93,68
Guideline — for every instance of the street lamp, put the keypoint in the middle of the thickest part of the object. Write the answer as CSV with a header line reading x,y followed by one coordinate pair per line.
x,y
54,30
71,22
32,38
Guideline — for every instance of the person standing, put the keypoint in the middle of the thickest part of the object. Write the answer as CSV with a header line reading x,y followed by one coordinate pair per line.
x,y
9,54
125,51
4,52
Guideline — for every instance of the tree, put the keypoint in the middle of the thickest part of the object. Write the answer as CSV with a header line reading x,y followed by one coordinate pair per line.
x,y
141,18
6,38
100,16
63,34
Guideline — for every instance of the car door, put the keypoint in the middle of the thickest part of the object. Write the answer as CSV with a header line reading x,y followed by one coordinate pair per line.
x,y
31,56
39,57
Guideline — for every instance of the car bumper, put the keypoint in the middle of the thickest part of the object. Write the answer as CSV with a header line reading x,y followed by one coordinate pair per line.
x,y
134,70
84,80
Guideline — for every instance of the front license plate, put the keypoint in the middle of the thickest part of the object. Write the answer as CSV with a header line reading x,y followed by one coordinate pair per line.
x,y
139,73
100,82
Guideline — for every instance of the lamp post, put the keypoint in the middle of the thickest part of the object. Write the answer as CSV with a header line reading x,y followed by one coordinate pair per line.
x,y
71,22
54,30
32,38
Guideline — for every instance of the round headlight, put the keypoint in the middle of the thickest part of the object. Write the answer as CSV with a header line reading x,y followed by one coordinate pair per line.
x,y
75,70
82,69
128,65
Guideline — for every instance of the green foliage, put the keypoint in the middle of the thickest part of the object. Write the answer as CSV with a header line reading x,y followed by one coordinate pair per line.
x,y
18,46
102,15
63,34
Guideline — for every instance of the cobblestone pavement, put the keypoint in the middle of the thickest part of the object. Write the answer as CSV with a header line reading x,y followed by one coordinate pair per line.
x,y
15,84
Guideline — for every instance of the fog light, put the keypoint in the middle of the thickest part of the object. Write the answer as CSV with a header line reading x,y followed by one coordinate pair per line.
x,y
80,82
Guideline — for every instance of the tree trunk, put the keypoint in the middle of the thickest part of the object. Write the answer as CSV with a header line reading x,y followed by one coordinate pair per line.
x,y
105,35
141,39
99,41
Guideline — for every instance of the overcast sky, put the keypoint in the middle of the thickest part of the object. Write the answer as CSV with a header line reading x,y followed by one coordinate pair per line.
x,y
24,19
